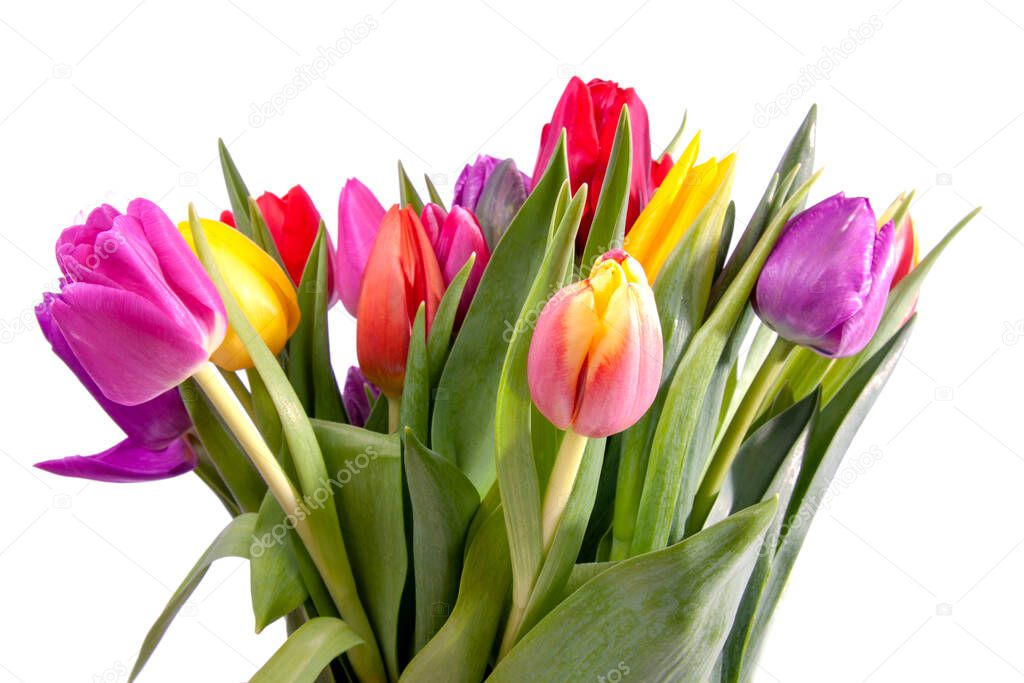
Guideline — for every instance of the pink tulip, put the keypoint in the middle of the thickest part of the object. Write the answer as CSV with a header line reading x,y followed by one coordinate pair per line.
x,y
359,218
595,359
459,236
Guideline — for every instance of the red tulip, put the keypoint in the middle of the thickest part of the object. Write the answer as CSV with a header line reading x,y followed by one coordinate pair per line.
x,y
589,113
905,249
401,273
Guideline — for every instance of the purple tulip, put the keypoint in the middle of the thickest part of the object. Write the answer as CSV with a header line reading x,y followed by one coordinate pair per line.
x,y
470,183
154,448
359,217
357,403
136,307
493,190
459,237
825,283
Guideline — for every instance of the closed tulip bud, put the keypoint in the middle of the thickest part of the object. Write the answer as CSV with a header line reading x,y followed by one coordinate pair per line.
x,y
825,284
356,397
262,290
595,359
459,237
401,274
134,292
359,217
493,190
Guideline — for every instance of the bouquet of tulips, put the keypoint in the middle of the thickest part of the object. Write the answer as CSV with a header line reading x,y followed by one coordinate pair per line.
x,y
591,421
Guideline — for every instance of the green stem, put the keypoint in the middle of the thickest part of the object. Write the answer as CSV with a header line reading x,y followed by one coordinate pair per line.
x,y
745,415
394,414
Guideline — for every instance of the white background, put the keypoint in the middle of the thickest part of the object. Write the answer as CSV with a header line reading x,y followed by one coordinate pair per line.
x,y
911,573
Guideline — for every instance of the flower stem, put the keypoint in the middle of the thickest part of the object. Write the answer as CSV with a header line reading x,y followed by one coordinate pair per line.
x,y
745,415
394,414
563,476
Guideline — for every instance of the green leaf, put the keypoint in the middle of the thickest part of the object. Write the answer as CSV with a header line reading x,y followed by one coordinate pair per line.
x,y
681,416
728,225
830,437
243,481
898,308
660,617
274,579
238,193
463,424
462,648
407,191
440,336
308,651
366,472
517,471
608,229
443,503
415,408
435,196
799,154
234,541
309,354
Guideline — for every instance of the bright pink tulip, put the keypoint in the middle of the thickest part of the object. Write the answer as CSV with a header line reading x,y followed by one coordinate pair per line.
x,y
359,219
460,235
596,355
137,309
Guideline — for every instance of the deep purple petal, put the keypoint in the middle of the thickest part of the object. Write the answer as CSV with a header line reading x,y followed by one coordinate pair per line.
x,y
470,182
126,463
503,194
357,404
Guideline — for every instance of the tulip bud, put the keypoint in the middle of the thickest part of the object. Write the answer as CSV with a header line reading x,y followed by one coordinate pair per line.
x,y
906,249
595,359
262,290
401,273
356,397
589,113
459,237
133,292
825,284
494,190
359,217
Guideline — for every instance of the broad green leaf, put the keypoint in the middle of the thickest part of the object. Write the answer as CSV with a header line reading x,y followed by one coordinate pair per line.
x,y
407,191
439,338
582,573
275,582
608,229
443,503
799,154
681,415
435,196
831,434
366,474
517,471
241,478
238,193
309,354
415,406
898,308
463,424
660,617
308,651
461,649
728,225
234,541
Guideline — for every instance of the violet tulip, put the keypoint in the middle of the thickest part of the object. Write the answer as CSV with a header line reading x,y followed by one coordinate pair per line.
x,y
359,219
595,359
494,190
825,284
134,292
356,396
589,113
153,448
458,236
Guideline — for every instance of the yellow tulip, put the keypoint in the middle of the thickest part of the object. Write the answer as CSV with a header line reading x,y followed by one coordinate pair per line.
x,y
259,285
683,194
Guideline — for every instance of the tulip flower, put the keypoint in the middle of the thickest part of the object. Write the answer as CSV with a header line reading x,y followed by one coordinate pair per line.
x,y
493,190
401,273
589,113
356,396
458,237
596,355
261,288
136,307
683,194
906,248
359,217
293,222
659,170
825,283
153,448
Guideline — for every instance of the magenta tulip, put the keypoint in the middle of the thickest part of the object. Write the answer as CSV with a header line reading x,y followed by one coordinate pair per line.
x,y
359,217
825,284
136,308
459,237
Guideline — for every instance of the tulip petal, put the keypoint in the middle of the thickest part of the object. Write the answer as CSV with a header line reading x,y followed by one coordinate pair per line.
x,y
129,347
126,462
575,113
470,183
355,398
359,218
432,219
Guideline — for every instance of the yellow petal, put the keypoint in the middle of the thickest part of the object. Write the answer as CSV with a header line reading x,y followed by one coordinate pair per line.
x,y
262,289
